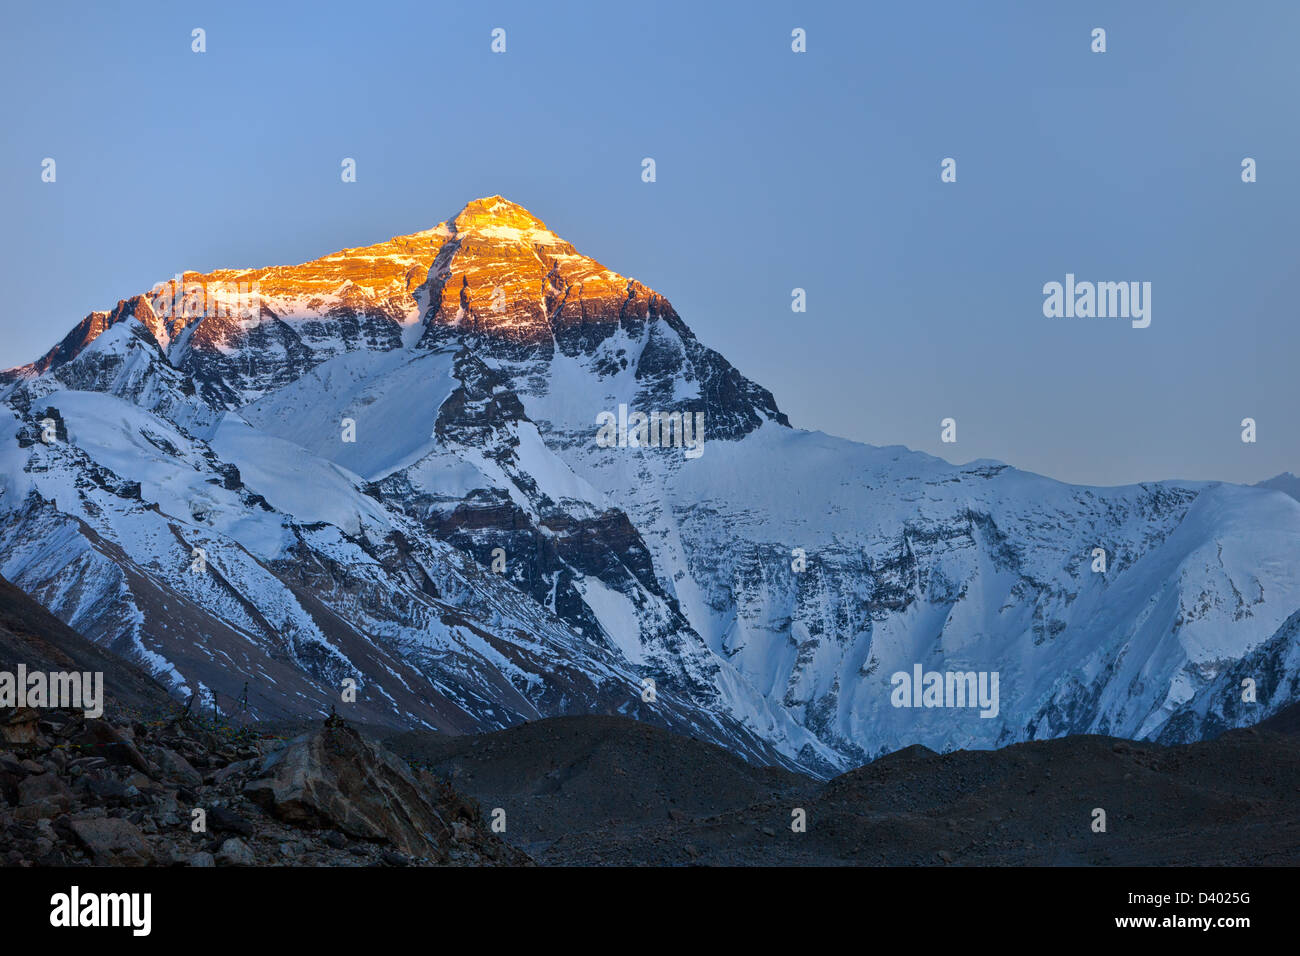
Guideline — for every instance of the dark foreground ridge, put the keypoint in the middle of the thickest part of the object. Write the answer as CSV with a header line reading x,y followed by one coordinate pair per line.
x,y
605,790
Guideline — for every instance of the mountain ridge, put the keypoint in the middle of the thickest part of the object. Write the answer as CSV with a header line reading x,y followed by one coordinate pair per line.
x,y
473,386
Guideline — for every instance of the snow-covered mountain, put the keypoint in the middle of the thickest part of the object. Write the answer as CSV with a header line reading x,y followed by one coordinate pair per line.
x,y
398,469
1285,482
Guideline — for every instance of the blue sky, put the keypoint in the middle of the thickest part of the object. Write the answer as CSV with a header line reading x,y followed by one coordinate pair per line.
x,y
775,170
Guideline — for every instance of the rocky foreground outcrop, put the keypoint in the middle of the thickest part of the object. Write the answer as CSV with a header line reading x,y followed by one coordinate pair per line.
x,y
124,792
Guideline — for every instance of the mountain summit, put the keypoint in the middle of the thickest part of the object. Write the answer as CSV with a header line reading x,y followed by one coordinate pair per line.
x,y
495,212
493,277
482,239
502,273
386,466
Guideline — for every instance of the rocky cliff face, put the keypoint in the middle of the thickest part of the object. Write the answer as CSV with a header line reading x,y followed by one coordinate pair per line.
x,y
391,461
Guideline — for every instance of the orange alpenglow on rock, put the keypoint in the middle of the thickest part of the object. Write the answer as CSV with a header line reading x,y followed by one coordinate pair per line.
x,y
502,272
493,269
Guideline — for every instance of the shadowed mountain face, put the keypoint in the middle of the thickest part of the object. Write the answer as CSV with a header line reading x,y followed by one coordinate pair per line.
x,y
389,466
35,638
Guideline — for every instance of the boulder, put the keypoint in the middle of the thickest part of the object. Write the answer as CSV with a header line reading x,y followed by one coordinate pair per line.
x,y
18,726
175,767
235,852
113,841
46,791
335,778
221,819
99,738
